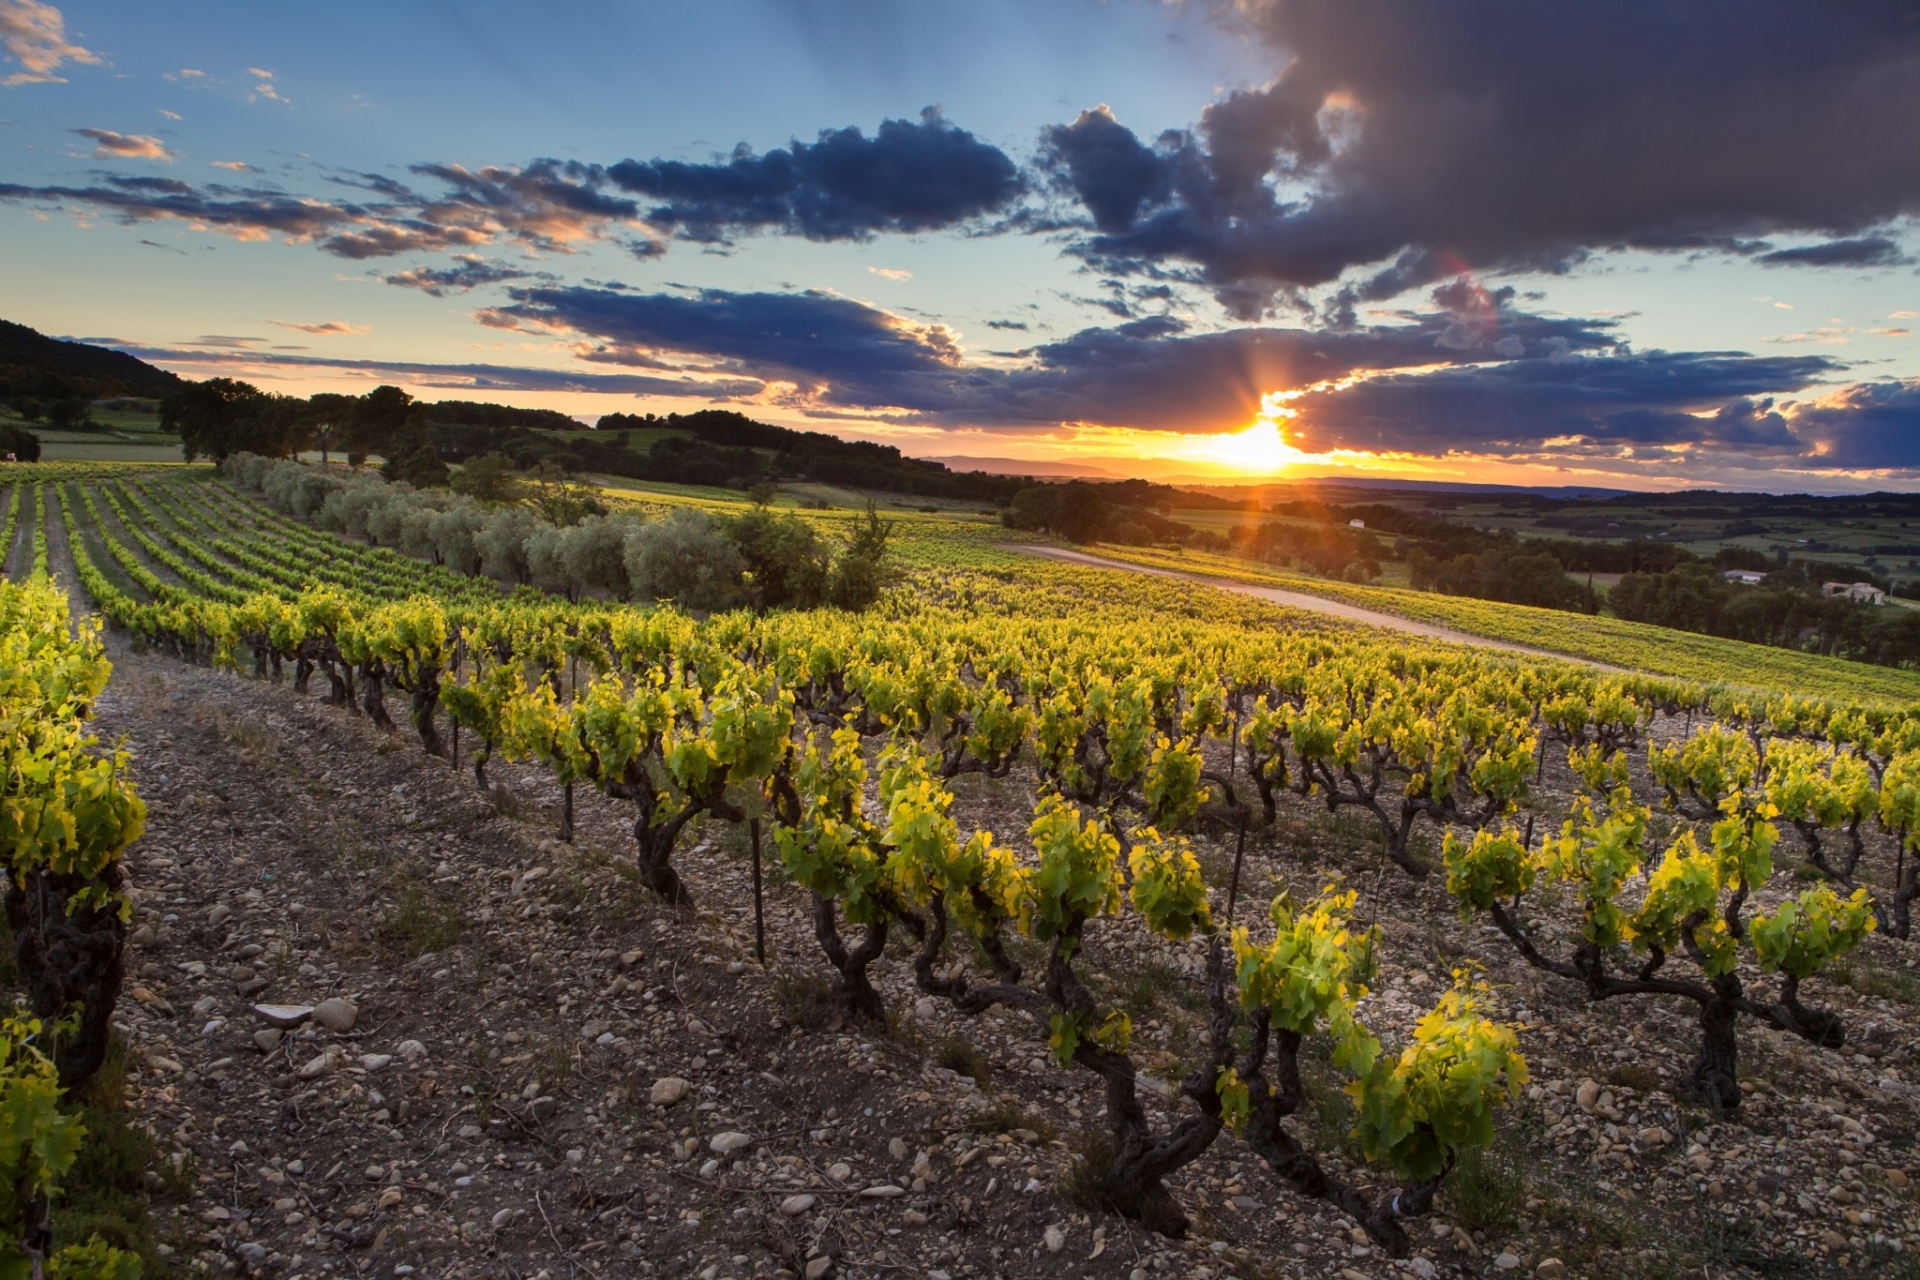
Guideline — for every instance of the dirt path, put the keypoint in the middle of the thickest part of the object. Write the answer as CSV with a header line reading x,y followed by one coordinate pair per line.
x,y
1315,604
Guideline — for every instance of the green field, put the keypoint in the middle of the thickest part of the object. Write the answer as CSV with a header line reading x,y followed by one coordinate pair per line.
x,y
1636,646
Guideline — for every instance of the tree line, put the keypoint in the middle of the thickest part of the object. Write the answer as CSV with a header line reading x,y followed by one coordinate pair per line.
x,y
715,447
551,532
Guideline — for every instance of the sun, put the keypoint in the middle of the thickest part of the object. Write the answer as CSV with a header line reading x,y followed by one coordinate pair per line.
x,y
1261,449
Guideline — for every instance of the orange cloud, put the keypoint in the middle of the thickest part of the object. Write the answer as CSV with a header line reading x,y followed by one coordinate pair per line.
x,y
128,146
35,36
325,328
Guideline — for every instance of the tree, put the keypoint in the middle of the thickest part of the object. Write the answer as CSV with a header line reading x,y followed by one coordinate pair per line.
x,y
788,566
419,466
558,497
70,415
861,571
20,442
326,420
686,558
491,477
222,416
380,424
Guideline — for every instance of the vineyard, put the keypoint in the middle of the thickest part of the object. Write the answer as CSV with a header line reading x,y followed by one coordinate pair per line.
x,y
1039,919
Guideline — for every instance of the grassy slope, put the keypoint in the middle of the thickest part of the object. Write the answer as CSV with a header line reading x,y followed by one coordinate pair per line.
x,y
1638,645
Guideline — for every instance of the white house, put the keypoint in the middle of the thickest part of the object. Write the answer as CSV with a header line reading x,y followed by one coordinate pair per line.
x,y
1858,592
1746,577
1356,524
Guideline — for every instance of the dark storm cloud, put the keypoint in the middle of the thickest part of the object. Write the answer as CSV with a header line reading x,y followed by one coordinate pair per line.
x,y
1862,251
1609,401
1149,372
1870,425
1513,136
854,353
910,176
1476,376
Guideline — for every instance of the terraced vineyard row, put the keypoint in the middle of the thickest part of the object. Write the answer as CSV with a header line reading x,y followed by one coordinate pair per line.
x,y
1128,729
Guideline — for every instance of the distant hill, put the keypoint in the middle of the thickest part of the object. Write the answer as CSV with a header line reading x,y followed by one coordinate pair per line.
x,y
34,365
1024,467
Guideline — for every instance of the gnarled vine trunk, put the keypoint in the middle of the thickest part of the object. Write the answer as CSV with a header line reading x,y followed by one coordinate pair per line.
x,y
72,962
856,994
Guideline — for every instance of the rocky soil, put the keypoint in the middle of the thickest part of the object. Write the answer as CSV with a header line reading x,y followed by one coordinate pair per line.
x,y
517,1064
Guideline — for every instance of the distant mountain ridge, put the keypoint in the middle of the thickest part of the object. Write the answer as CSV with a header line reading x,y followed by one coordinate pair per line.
x,y
35,366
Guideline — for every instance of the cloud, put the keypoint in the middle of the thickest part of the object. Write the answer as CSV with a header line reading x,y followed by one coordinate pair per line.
x,y
1605,403
1509,138
235,166
1870,425
132,146
1825,335
1020,325
325,328
35,36
243,213
1152,373
224,340
171,115
1473,376
549,205
910,176
1862,251
464,377
470,271
891,273
841,350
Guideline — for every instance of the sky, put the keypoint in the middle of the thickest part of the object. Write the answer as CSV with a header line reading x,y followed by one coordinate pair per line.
x,y
1644,244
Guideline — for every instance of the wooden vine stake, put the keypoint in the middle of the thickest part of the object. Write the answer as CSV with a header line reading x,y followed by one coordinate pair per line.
x,y
759,911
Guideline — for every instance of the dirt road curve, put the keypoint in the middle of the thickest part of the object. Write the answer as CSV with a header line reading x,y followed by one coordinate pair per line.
x,y
1301,600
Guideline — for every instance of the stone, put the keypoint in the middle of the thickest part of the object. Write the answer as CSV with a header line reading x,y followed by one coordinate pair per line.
x,y
1550,1269
314,1068
819,1266
284,1016
1654,1136
268,1039
1055,1239
897,1148
925,1010
668,1090
336,1015
840,1171
794,1206
376,1061
220,914
724,1144
1588,1095
1506,1261
1425,1269
389,1198
884,1191
410,1050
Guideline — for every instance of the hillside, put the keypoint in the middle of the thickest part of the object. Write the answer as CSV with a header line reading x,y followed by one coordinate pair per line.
x,y
35,366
